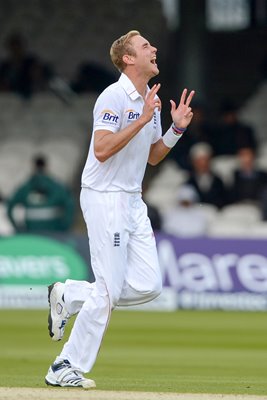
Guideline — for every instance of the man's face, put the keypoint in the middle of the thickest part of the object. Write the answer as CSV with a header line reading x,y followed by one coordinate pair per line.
x,y
201,163
246,158
145,58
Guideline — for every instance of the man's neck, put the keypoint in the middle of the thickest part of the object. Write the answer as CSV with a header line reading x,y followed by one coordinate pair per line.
x,y
139,82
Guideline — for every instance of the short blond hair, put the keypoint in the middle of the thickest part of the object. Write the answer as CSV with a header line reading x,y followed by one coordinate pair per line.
x,y
120,47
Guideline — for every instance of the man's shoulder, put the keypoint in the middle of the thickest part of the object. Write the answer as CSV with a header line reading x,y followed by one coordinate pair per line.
x,y
114,87
114,91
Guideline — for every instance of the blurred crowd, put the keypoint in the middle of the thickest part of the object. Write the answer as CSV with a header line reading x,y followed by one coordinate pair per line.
x,y
230,139
42,203
26,73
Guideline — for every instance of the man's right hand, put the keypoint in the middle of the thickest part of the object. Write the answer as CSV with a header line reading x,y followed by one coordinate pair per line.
x,y
151,102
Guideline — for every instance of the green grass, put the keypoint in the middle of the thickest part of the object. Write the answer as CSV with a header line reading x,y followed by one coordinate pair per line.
x,y
185,351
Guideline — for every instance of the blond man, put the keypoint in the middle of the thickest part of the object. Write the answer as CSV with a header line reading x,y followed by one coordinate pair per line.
x,y
127,135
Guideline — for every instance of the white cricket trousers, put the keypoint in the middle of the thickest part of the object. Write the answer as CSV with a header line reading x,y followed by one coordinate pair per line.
x,y
125,264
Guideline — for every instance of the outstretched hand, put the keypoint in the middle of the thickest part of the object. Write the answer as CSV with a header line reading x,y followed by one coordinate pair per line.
x,y
182,114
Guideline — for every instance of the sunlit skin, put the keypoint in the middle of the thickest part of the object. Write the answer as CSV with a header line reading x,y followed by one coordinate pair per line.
x,y
140,68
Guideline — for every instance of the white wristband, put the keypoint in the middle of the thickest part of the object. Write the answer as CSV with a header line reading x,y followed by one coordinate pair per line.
x,y
170,138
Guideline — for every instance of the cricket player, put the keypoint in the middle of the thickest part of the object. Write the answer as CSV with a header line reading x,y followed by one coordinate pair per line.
x,y
127,135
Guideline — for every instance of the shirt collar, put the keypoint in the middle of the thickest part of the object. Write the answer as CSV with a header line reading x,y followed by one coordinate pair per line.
x,y
129,87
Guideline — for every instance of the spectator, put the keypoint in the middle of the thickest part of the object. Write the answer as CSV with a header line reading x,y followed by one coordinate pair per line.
x,y
22,72
92,77
231,133
187,219
249,182
200,131
209,186
47,204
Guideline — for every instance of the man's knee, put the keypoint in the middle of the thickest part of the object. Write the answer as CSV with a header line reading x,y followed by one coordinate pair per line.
x,y
156,289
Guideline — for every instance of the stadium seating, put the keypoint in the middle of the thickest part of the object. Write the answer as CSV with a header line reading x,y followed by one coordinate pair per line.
x,y
43,125
224,166
163,187
254,112
259,230
222,228
239,212
211,212
236,220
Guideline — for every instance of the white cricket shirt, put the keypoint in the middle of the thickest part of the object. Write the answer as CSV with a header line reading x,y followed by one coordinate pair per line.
x,y
117,107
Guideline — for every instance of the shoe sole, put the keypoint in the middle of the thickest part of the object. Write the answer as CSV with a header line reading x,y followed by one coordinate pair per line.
x,y
51,384
92,385
50,321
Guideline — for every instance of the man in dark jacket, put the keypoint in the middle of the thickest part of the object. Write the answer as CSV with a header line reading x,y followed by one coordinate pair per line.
x,y
249,181
209,186
231,134
22,72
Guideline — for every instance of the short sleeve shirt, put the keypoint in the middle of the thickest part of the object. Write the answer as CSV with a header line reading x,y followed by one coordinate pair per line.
x,y
118,106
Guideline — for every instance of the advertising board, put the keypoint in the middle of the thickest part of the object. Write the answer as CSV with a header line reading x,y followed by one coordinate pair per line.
x,y
204,273
214,273
29,263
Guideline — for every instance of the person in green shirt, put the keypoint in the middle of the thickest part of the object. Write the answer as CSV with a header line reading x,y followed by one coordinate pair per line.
x,y
47,205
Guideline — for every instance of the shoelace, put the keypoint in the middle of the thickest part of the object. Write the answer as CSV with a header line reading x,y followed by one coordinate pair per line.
x,y
68,370
71,376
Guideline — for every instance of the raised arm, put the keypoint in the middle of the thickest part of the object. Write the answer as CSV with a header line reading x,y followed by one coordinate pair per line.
x,y
181,117
106,144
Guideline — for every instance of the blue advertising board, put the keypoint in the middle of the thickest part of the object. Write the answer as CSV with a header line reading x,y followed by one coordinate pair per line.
x,y
214,273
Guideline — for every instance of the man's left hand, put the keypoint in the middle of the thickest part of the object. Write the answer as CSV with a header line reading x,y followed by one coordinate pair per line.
x,y
182,114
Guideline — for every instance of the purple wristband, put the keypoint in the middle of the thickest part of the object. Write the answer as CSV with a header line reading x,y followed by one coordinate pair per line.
x,y
178,131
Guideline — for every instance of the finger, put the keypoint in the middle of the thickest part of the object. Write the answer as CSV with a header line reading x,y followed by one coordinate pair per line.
x,y
152,92
188,111
189,98
183,96
173,106
158,103
156,88
190,115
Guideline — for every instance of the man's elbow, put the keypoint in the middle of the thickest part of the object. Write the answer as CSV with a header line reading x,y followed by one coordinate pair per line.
x,y
153,162
101,156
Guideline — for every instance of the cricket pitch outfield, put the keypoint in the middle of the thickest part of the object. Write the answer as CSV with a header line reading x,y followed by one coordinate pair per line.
x,y
179,355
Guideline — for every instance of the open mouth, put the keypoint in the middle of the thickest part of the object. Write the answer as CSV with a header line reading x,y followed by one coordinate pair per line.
x,y
153,61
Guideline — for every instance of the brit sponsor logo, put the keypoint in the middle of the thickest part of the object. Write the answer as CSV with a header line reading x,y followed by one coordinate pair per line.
x,y
109,116
132,115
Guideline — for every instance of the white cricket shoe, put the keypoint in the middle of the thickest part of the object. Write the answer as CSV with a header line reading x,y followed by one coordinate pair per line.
x,y
63,374
58,315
